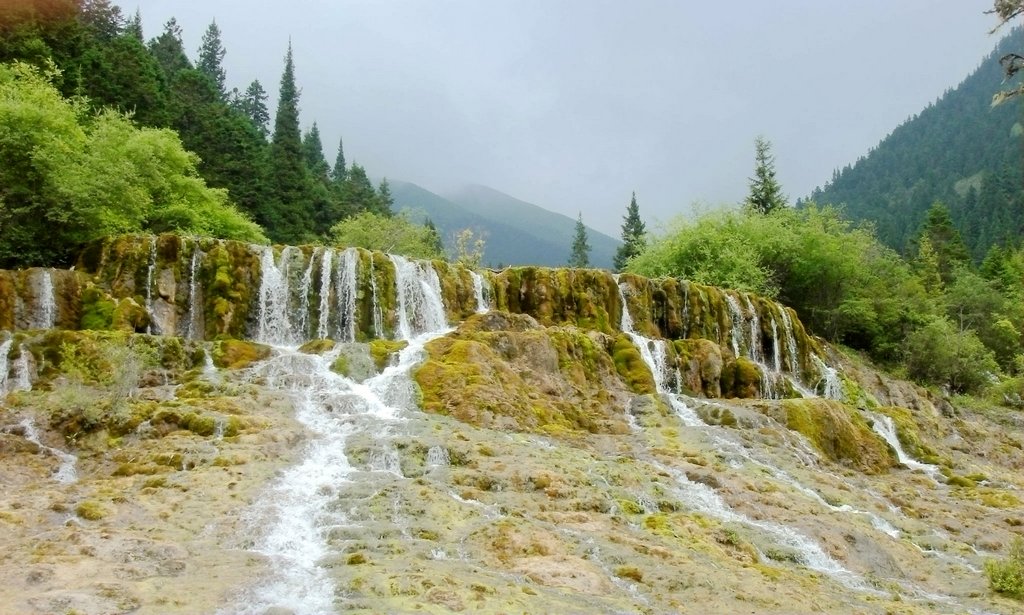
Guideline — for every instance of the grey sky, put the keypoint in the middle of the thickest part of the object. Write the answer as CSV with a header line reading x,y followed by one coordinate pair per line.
x,y
574,104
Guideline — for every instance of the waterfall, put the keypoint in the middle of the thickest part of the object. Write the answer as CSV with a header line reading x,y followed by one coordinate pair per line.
x,y
437,457
420,308
787,330
273,325
298,513
478,292
67,472
347,291
150,269
884,426
192,329
755,333
831,386
378,314
736,316
5,352
46,314
22,380
776,349
324,314
302,328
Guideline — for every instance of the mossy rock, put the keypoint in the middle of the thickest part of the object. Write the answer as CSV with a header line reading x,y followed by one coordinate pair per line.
x,y
839,432
317,346
700,363
908,433
383,350
130,316
238,354
631,367
741,378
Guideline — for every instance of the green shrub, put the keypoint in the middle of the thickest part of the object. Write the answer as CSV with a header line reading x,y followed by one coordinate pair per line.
x,y
1006,576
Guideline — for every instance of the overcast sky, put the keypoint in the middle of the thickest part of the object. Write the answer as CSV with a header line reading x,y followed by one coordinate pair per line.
x,y
574,104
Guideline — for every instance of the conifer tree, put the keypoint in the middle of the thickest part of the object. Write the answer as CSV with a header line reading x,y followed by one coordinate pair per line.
x,y
253,103
133,26
633,236
168,49
290,184
765,192
943,238
211,58
340,170
580,256
313,149
385,202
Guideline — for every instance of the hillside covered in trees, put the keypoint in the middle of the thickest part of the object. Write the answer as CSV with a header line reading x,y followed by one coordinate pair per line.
x,y
960,151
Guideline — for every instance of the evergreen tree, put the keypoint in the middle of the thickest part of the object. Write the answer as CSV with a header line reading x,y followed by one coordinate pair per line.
x,y
133,26
253,104
765,192
340,170
314,153
290,212
580,256
633,236
385,202
168,49
944,239
211,58
358,193
435,236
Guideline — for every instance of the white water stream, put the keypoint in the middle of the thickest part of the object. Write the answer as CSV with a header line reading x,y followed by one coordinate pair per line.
x,y
298,509
885,427
67,472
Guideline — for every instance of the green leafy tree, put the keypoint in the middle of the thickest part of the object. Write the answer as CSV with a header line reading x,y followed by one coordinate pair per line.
x,y
394,234
634,236
123,74
580,255
940,353
290,217
211,58
133,26
765,192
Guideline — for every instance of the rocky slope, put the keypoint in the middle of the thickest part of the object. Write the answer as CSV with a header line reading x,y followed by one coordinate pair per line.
x,y
301,434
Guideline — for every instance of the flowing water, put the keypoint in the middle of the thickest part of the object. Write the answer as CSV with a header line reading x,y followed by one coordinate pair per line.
x,y
885,427
67,472
299,509
478,292
5,366
193,322
150,269
46,314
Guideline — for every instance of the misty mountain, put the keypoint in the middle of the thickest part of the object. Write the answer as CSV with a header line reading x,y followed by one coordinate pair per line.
x,y
516,232
960,151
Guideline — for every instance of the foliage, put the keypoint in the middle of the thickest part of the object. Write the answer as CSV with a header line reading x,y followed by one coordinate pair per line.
x,y
944,243
211,58
765,192
634,236
1007,576
394,234
68,177
940,353
580,256
469,247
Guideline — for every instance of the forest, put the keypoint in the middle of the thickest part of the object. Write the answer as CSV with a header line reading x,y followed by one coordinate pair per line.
x,y
102,132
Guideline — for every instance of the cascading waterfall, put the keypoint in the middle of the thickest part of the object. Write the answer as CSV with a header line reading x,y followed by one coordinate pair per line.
x,y
378,313
478,292
67,472
831,385
301,332
273,325
884,426
787,329
419,297
192,324
736,315
324,315
46,314
755,333
347,290
299,509
776,347
150,269
5,367
22,372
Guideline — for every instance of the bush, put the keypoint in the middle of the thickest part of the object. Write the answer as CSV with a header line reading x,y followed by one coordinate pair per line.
x,y
940,353
1006,576
394,234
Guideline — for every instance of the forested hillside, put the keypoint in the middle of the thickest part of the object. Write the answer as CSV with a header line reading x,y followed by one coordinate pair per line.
x,y
92,67
961,151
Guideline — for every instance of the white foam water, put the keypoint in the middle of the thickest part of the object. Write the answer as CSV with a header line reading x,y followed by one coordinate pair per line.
x,y
193,323
478,292
66,472
885,427
5,366
150,269
46,314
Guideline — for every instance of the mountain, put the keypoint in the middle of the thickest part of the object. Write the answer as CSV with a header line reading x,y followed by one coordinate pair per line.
x,y
959,150
516,232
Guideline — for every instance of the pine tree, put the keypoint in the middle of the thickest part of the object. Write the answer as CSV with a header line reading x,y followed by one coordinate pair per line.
x,y
253,104
944,239
314,153
633,236
290,184
133,26
340,170
211,58
385,202
765,192
580,256
168,49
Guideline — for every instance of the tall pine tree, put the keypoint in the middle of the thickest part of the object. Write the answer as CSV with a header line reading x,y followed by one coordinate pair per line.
x,y
169,51
340,170
290,215
580,256
765,192
211,58
633,236
314,152
253,104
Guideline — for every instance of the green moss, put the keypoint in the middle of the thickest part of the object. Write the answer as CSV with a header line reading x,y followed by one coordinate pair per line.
x,y
1006,576
91,510
340,366
317,346
741,378
237,354
129,315
836,430
631,367
97,309
382,350
356,559
629,572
